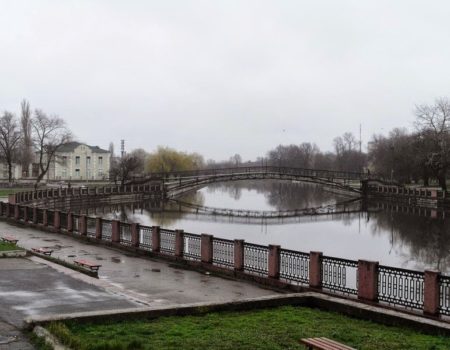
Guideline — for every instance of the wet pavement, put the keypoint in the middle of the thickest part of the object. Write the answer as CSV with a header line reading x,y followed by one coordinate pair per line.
x,y
29,287
34,286
148,281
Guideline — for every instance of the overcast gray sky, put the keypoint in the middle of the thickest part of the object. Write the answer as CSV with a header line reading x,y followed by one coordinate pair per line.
x,y
224,77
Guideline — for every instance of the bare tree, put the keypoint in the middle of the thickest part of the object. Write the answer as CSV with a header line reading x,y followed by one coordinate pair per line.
x,y
26,153
111,149
236,160
142,157
9,140
49,133
433,123
123,168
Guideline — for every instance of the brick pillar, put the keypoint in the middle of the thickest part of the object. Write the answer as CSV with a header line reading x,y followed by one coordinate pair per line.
x,y
25,214
57,220
431,293
135,235
274,261
207,248
44,217
239,254
179,243
368,280
115,231
69,222
12,198
98,228
35,217
8,210
16,212
82,225
315,269
156,239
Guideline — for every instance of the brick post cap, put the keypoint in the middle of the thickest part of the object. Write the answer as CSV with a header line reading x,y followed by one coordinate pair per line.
x,y
433,272
240,240
275,246
368,261
316,252
206,235
177,230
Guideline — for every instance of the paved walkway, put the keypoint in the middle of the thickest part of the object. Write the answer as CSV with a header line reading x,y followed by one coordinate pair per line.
x,y
34,286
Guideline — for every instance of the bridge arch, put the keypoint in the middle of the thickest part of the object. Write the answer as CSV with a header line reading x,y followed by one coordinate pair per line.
x,y
176,184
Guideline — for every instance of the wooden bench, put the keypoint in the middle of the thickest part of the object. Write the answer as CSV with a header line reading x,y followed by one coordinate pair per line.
x,y
10,239
324,344
87,264
44,251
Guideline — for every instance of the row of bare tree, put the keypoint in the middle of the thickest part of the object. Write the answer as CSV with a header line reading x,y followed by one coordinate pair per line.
x,y
347,155
34,137
423,154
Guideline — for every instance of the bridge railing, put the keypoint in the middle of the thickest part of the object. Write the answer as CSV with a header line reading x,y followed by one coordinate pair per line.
x,y
331,174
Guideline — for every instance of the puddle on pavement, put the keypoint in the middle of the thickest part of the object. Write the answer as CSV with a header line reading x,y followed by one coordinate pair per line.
x,y
178,271
156,270
71,256
51,240
99,258
7,340
115,259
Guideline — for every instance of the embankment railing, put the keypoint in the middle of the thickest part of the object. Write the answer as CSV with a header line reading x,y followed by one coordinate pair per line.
x,y
427,291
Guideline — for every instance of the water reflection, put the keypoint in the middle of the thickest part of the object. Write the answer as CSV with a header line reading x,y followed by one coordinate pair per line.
x,y
385,233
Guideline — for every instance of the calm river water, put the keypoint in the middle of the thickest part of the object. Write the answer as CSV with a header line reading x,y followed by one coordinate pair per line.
x,y
395,239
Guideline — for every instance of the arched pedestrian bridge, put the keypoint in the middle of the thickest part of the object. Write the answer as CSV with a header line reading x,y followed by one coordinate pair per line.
x,y
176,183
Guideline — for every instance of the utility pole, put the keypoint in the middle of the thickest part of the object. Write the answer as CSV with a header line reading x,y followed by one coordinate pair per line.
x,y
122,147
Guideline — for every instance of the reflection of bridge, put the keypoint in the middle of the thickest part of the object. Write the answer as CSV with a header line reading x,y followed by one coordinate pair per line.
x,y
177,183
349,206
174,213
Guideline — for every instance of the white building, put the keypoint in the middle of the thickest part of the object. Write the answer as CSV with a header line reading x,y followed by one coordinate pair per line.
x,y
78,161
16,171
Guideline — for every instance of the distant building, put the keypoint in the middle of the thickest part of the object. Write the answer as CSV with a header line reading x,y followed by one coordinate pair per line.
x,y
78,161
16,171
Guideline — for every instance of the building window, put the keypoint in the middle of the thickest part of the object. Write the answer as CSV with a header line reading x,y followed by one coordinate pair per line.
x,y
88,161
64,160
100,161
77,172
77,161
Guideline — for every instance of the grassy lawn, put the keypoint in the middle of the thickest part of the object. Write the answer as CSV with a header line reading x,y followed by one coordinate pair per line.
x,y
4,246
279,328
5,191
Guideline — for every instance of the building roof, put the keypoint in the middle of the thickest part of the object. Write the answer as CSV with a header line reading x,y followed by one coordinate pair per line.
x,y
70,147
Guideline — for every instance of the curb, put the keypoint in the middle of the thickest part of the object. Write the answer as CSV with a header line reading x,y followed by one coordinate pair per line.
x,y
309,299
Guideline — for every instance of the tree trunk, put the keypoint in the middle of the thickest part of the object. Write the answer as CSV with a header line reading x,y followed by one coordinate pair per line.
x,y
9,172
442,181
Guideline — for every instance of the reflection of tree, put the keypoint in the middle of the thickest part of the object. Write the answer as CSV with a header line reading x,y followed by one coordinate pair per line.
x,y
233,189
282,195
428,239
172,211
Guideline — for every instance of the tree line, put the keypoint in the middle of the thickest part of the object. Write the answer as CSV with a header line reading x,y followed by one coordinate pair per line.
x,y
421,155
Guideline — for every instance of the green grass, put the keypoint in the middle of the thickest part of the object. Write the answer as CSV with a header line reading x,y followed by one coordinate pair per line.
x,y
5,191
279,328
38,342
4,246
